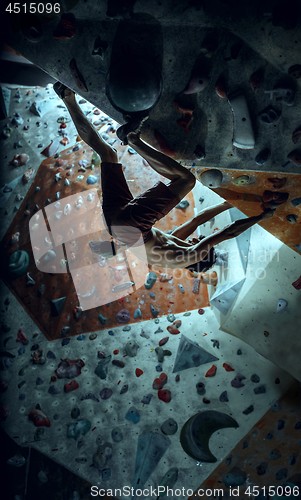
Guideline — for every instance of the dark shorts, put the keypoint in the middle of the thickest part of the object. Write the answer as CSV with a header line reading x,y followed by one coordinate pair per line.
x,y
121,208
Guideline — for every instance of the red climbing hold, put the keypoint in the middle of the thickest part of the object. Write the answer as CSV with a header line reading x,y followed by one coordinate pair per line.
x,y
228,367
211,372
164,395
220,87
116,351
177,323
201,311
139,372
163,341
173,330
21,337
71,386
158,383
297,284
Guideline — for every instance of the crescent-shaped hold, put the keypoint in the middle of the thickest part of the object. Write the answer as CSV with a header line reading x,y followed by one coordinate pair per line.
x,y
197,431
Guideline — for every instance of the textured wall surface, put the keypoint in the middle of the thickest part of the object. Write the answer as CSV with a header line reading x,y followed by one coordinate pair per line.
x,y
200,54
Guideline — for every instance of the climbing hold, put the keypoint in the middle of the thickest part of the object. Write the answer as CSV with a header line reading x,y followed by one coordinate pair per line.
x,y
102,319
196,433
119,363
78,428
101,369
280,424
91,179
237,381
281,305
117,435
53,390
131,348
21,337
18,264
38,418
242,180
106,393
154,311
196,285
75,412
261,389
137,313
164,395
190,354
296,135
255,378
220,87
71,386
297,284
228,367
146,399
66,28
296,201
124,389
169,427
159,382
248,410
138,372
160,353
173,330
181,288
277,182
212,178
261,468
150,280
123,316
163,341
235,477
133,415
211,372
224,397
295,157
171,318
269,115
183,204
292,218
199,77
57,306
295,71
262,157
200,388
69,368
274,197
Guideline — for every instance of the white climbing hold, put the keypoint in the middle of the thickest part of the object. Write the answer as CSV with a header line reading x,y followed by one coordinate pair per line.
x,y
281,305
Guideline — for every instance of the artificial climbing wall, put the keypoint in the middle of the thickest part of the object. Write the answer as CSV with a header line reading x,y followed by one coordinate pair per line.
x,y
222,82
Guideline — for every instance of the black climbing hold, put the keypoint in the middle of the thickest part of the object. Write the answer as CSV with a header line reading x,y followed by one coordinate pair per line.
x,y
57,306
169,427
261,468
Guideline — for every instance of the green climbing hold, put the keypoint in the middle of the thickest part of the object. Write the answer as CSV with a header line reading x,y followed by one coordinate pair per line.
x,y
18,263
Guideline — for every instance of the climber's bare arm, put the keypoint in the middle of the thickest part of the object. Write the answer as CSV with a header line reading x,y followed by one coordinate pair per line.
x,y
192,224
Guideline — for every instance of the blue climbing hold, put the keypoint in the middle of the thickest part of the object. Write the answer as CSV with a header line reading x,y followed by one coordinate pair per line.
x,y
91,179
133,415
137,313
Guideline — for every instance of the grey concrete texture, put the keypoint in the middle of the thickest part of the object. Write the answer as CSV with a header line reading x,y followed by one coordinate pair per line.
x,y
218,41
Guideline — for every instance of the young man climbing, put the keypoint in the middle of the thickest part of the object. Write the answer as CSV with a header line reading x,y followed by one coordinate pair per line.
x,y
138,215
